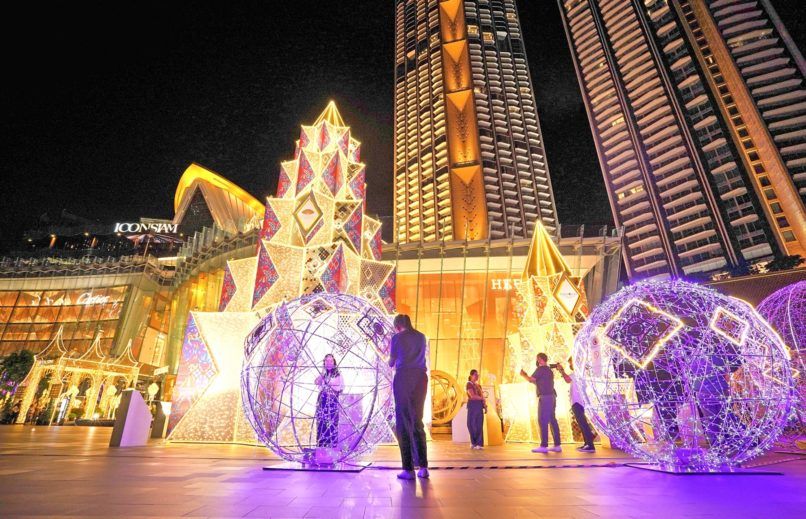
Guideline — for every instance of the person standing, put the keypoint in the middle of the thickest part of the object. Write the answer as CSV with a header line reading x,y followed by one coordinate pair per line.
x,y
410,385
543,379
578,408
476,407
14,413
327,404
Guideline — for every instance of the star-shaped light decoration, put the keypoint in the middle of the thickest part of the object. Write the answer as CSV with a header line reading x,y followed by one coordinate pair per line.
x,y
315,237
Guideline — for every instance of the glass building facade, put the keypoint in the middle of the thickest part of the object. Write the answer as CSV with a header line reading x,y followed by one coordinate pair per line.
x,y
123,301
463,296
469,156
30,318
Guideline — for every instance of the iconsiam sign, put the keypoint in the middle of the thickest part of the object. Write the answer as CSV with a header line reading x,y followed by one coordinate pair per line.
x,y
684,377
552,308
315,238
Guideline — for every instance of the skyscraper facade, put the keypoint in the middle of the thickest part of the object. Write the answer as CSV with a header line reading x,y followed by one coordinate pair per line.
x,y
697,110
469,156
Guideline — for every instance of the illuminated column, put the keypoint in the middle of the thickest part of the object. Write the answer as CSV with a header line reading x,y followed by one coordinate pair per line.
x,y
30,393
469,156
467,187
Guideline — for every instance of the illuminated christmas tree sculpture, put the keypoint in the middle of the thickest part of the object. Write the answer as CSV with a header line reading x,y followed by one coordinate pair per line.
x,y
552,309
314,238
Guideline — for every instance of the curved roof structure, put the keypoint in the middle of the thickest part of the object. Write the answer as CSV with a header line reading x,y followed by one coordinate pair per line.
x,y
229,205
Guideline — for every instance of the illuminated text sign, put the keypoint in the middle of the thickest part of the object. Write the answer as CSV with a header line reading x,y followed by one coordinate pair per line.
x,y
505,284
133,227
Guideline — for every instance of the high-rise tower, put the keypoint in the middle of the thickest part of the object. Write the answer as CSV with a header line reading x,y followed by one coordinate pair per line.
x,y
697,110
469,155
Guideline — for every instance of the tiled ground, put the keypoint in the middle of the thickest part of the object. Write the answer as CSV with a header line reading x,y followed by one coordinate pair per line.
x,y
69,471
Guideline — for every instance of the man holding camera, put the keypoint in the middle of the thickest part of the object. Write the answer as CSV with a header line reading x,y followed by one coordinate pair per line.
x,y
543,379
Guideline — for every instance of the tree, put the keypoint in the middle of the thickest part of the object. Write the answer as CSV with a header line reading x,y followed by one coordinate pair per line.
x,y
13,369
784,263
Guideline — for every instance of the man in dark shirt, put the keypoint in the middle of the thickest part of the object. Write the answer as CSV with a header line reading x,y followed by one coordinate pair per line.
x,y
543,379
407,355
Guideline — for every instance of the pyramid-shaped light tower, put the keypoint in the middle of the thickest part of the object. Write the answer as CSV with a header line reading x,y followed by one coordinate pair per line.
x,y
315,237
552,308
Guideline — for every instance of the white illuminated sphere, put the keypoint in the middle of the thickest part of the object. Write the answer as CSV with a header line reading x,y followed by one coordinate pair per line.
x,y
284,357
683,377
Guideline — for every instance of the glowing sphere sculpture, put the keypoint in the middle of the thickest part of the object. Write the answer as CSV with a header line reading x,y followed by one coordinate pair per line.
x,y
684,377
785,310
284,357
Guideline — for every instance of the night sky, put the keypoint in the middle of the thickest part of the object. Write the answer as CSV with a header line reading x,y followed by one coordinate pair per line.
x,y
109,102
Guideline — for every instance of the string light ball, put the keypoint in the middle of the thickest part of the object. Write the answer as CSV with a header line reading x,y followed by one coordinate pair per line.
x,y
284,357
683,377
785,310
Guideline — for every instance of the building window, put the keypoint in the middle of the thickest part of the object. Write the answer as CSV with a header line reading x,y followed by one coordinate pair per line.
x,y
628,192
473,30
788,235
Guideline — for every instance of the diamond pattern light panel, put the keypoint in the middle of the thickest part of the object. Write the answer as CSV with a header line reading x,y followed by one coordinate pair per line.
x,y
315,238
684,377
195,373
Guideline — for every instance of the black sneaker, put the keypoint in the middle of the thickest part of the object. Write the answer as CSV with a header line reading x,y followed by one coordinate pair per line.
x,y
587,448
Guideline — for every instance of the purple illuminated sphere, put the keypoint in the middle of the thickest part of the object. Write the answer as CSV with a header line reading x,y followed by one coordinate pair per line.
x,y
785,310
684,377
284,359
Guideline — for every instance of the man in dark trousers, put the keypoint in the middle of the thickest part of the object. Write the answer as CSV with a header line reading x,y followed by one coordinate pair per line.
x,y
543,379
407,356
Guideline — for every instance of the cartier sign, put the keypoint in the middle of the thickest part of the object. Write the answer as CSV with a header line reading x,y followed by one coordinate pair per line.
x,y
88,299
133,227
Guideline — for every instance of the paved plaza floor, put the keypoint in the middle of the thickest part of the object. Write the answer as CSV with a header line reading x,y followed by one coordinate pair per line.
x,y
70,472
